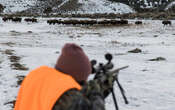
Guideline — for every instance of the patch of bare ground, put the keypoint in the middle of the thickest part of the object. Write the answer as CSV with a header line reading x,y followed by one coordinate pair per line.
x,y
10,44
18,66
115,42
11,103
157,59
15,33
137,50
0,62
9,52
20,79
95,33
15,60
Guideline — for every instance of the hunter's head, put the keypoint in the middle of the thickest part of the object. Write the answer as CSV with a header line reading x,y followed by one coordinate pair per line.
x,y
73,61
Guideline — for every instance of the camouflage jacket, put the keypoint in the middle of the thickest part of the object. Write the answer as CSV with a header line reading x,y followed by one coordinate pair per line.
x,y
89,98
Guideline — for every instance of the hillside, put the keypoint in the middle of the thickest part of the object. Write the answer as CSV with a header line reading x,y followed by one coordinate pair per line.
x,y
88,6
12,6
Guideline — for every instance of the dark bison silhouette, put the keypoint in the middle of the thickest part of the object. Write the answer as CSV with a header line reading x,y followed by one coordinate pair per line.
x,y
166,22
17,19
54,21
14,19
5,19
33,20
87,22
138,22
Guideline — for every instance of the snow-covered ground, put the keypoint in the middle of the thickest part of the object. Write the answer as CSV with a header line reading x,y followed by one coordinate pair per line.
x,y
149,85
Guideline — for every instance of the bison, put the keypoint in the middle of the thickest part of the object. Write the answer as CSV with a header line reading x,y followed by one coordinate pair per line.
x,y
33,20
5,19
166,22
16,19
138,22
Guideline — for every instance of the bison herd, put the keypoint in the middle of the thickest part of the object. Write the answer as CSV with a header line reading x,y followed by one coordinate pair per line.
x,y
102,22
87,22
166,22
18,19
80,22
14,19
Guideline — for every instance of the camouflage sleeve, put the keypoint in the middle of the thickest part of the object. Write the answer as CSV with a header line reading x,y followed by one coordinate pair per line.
x,y
76,100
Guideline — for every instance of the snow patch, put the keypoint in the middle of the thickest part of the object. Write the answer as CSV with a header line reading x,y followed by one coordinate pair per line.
x,y
103,6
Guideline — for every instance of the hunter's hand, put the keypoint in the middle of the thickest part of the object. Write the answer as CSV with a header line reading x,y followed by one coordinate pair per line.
x,y
98,87
92,88
107,85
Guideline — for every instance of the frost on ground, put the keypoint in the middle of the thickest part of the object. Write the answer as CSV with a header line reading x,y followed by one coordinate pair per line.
x,y
149,84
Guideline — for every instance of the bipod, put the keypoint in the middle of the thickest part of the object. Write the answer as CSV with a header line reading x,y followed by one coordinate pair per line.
x,y
114,99
122,91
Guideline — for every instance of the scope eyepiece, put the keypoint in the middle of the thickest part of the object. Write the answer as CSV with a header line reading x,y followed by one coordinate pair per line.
x,y
93,62
108,56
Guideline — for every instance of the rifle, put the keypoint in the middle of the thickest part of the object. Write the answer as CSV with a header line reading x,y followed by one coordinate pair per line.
x,y
103,73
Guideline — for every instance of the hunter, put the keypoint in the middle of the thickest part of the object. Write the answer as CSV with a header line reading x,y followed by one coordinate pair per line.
x,y
63,87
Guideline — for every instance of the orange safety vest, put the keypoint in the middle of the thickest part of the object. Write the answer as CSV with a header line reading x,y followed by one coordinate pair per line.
x,y
42,88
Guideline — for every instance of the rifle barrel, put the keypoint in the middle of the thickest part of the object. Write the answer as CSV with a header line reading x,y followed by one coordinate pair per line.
x,y
118,69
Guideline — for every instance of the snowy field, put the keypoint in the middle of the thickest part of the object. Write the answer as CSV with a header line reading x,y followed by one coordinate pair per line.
x,y
149,85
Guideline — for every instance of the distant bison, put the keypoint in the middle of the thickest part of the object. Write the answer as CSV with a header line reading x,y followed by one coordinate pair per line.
x,y
114,22
33,20
138,22
87,22
104,22
122,21
55,21
166,22
14,19
7,19
17,19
